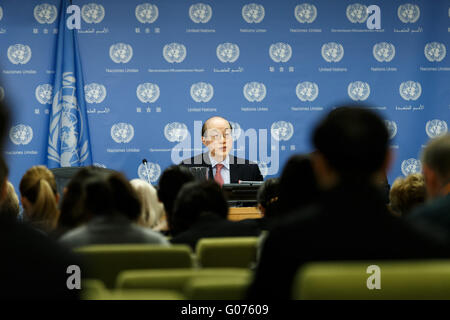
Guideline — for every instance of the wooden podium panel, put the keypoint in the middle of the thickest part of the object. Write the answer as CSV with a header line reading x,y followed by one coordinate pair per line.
x,y
241,213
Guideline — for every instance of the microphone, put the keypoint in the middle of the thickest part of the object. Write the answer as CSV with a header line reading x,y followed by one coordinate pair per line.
x,y
144,162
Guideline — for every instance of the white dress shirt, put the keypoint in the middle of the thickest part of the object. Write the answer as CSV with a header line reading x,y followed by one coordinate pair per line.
x,y
225,172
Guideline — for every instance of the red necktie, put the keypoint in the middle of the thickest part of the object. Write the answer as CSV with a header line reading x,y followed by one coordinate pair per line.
x,y
218,176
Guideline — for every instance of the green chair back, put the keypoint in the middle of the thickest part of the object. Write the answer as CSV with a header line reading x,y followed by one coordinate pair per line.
x,y
396,280
174,279
105,262
232,252
209,288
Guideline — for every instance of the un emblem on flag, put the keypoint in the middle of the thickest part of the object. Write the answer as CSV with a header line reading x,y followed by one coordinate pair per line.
x,y
147,92
255,91
174,52
227,52
391,127
175,131
436,128
235,130
435,51
253,13
45,13
410,90
44,93
149,172
200,12
280,52
94,93
19,54
305,13
93,13
384,52
202,92
121,53
357,13
332,52
282,130
408,13
307,91
146,13
411,166
358,90
21,134
122,132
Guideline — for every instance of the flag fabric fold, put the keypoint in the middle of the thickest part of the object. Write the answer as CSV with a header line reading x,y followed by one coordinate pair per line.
x,y
68,140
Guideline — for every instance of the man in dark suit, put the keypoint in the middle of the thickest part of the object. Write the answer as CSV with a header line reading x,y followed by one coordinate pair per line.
x,y
350,221
223,167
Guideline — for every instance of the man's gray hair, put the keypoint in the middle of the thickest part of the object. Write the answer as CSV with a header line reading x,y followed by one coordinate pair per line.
x,y
436,156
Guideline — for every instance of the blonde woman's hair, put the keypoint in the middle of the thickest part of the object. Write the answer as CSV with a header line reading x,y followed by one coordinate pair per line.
x,y
38,186
407,193
151,209
9,207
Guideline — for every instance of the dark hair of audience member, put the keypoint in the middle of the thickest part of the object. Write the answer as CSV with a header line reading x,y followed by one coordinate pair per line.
x,y
267,197
194,199
73,213
298,186
354,142
39,198
170,183
9,207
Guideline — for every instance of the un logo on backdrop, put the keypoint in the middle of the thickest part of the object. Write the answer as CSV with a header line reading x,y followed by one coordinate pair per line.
x,y
253,13
358,90
408,13
122,132
93,13
282,130
411,166
305,13
94,93
121,52
436,128
174,52
21,134
227,52
410,90
235,130
175,131
44,93
357,13
19,54
384,52
307,91
45,13
147,92
255,91
332,52
149,172
146,13
200,12
391,127
435,51
280,52
202,92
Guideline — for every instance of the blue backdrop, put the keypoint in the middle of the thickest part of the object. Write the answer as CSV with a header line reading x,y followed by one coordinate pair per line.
x,y
153,70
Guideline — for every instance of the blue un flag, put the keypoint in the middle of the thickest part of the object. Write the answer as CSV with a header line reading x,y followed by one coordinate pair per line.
x,y
68,140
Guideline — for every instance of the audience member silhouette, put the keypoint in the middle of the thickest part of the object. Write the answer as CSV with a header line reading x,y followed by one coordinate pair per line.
x,y
151,209
114,208
351,220
407,193
201,211
9,208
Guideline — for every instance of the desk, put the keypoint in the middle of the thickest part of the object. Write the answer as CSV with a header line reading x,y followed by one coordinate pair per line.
x,y
236,214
